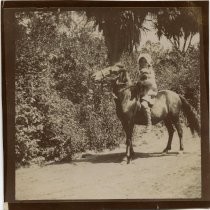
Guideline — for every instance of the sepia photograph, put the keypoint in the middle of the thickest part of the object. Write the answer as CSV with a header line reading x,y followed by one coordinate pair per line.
x,y
108,103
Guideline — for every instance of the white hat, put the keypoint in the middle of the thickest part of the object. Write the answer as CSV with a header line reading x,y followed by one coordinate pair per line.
x,y
147,58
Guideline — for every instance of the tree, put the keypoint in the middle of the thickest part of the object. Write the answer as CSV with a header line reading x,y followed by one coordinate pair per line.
x,y
178,25
122,27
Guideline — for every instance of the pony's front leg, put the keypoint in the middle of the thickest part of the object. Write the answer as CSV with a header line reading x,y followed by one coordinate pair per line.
x,y
128,150
131,149
129,146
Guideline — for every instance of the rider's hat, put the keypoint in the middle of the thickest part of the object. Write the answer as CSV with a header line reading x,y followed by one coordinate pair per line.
x,y
144,58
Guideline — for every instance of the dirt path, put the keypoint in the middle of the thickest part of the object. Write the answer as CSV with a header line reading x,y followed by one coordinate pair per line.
x,y
103,176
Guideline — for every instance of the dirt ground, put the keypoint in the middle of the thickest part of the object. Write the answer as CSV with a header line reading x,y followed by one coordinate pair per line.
x,y
151,175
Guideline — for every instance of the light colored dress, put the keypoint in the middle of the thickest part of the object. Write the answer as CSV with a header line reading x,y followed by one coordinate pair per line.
x,y
147,84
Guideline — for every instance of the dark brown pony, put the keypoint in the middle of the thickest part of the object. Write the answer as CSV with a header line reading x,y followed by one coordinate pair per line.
x,y
166,108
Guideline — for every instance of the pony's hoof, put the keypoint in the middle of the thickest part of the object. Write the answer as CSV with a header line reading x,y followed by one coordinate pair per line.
x,y
124,160
165,151
128,160
181,152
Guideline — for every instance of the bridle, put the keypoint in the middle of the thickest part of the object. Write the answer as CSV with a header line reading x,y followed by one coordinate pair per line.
x,y
121,84
116,82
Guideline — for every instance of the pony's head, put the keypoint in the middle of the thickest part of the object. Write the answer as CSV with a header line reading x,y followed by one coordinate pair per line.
x,y
109,74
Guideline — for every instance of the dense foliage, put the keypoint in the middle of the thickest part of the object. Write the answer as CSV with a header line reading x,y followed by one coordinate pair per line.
x,y
59,110
178,25
122,27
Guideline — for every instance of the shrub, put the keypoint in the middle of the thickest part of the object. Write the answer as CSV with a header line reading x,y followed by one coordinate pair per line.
x,y
56,115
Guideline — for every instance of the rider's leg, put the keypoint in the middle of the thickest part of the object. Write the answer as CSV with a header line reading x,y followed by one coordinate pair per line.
x,y
146,107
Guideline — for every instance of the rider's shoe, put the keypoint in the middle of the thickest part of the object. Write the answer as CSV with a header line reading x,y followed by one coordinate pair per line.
x,y
148,129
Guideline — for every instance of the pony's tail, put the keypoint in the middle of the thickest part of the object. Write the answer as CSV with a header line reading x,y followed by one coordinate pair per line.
x,y
191,115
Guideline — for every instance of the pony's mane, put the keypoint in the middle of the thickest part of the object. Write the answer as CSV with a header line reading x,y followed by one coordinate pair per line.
x,y
123,82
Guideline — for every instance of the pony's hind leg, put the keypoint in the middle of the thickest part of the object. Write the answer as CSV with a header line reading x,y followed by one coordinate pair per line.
x,y
180,134
171,130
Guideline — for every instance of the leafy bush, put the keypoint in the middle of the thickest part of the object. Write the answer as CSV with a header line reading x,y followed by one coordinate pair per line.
x,y
102,126
57,112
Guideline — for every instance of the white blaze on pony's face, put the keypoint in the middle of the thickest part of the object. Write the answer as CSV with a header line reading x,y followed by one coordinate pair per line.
x,y
109,73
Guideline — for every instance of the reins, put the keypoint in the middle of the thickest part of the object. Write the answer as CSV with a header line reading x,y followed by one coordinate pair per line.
x,y
130,86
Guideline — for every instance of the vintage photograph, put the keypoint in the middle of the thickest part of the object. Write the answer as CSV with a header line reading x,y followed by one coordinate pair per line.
x,y
107,103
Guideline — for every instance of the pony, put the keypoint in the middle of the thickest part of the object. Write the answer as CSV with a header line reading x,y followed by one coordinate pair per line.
x,y
166,108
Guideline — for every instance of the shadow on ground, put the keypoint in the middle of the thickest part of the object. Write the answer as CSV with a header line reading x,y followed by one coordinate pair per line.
x,y
114,157
118,157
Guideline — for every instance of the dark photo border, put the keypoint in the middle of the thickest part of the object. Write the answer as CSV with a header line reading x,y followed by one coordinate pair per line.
x,y
8,94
